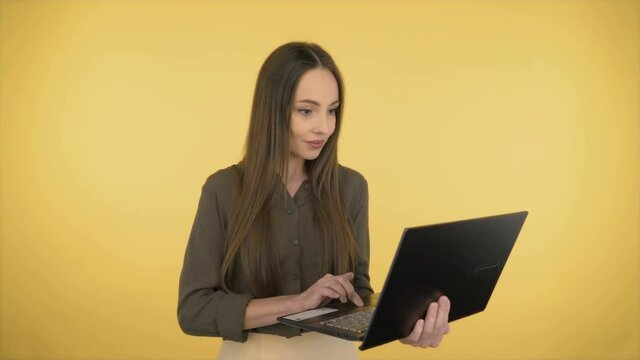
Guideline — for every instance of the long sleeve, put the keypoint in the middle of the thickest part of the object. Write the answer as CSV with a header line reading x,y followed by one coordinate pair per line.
x,y
360,218
204,309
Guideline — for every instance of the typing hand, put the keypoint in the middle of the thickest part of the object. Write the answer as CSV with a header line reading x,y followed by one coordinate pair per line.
x,y
327,288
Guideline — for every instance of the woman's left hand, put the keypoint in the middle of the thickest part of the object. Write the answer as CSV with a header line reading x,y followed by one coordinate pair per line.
x,y
428,332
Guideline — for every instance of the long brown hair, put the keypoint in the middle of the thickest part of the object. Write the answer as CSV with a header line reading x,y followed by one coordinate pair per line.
x,y
250,237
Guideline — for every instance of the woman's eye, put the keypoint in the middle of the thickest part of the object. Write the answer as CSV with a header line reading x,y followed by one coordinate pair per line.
x,y
304,111
333,111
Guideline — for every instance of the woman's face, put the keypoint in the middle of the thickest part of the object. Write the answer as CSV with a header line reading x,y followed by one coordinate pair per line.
x,y
313,118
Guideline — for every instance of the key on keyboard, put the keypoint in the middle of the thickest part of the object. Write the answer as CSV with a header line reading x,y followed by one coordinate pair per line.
x,y
356,322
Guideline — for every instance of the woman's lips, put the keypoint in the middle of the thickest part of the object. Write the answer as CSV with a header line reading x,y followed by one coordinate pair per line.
x,y
316,144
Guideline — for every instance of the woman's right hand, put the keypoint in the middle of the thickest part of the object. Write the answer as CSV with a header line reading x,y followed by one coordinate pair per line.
x,y
327,288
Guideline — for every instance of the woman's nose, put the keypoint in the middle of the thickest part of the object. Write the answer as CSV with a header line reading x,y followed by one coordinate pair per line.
x,y
324,124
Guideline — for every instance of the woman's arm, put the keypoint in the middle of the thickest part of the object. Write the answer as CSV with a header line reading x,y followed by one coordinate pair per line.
x,y
263,312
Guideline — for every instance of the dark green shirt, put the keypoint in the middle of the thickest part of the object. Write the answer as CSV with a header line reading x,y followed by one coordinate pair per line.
x,y
204,309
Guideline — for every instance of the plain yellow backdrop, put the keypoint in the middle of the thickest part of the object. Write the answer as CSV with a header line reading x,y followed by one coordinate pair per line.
x,y
113,113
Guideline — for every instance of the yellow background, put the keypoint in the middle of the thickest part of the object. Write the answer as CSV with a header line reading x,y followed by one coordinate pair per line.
x,y
113,113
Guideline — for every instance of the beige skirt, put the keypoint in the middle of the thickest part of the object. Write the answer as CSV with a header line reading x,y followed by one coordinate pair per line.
x,y
309,345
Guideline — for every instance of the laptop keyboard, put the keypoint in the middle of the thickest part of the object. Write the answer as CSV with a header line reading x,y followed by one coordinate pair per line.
x,y
356,322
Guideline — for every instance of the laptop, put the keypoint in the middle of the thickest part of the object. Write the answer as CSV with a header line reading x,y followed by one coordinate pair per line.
x,y
462,260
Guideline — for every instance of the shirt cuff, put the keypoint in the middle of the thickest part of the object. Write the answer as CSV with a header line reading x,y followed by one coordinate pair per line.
x,y
230,317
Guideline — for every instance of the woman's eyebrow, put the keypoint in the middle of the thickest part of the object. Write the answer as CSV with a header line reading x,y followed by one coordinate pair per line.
x,y
315,102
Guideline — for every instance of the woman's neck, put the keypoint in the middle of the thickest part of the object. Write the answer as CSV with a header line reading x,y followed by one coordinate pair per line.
x,y
296,174
296,171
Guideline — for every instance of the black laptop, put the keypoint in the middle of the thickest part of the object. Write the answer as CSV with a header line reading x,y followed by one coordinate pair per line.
x,y
462,260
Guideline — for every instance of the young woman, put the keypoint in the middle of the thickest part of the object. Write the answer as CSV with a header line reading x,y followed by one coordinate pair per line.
x,y
286,229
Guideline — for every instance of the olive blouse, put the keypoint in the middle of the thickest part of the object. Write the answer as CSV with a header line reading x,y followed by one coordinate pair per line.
x,y
204,309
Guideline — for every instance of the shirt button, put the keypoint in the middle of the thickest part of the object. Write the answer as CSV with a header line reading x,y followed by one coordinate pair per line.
x,y
295,277
295,241
307,186
290,211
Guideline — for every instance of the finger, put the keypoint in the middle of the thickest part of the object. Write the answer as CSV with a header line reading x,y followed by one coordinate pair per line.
x,y
344,281
351,292
414,336
357,299
436,341
430,320
442,318
326,278
346,285
338,288
447,329
325,301
328,293
354,296
348,276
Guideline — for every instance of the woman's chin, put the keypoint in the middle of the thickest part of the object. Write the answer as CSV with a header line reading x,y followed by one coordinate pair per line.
x,y
312,156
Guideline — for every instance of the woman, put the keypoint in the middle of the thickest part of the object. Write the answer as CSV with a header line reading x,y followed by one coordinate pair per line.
x,y
286,229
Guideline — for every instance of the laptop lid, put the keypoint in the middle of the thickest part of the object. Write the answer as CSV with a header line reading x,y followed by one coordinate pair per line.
x,y
462,260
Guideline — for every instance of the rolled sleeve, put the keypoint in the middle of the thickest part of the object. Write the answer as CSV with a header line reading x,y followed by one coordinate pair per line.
x,y
230,317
